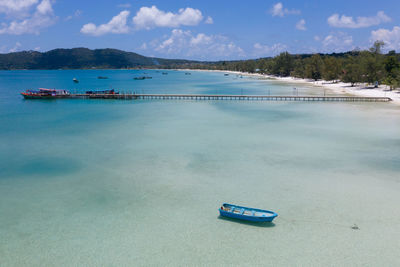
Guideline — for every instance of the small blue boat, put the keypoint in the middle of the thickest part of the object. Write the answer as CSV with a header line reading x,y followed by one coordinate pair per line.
x,y
245,213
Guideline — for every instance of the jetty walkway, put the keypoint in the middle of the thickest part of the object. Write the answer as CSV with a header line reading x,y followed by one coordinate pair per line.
x,y
231,97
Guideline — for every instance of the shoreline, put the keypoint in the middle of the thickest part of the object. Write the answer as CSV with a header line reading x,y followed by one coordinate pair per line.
x,y
338,88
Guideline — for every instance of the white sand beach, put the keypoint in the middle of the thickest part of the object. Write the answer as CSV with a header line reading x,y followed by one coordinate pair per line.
x,y
360,89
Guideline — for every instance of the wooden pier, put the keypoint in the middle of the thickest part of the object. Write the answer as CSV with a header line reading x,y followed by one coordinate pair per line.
x,y
232,97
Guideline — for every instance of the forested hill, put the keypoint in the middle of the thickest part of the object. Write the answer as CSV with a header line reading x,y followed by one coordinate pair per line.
x,y
82,58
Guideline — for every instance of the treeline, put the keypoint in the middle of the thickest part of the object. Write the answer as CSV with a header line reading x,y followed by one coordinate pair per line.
x,y
369,66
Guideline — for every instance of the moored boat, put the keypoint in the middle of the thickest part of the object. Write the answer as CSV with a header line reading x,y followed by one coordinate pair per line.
x,y
143,78
245,213
43,93
102,92
75,80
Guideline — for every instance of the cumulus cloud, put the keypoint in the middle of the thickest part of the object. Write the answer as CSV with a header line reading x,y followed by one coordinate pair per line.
x,y
301,25
116,25
391,38
151,17
261,50
196,46
43,16
280,11
337,42
16,6
344,21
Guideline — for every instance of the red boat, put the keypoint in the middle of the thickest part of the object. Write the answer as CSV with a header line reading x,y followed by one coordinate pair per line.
x,y
45,93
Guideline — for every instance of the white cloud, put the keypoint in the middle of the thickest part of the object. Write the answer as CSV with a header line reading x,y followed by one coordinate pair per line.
x,y
337,42
344,21
280,11
151,17
15,48
16,6
261,50
209,20
201,39
43,16
317,38
76,14
301,25
116,25
391,38
197,46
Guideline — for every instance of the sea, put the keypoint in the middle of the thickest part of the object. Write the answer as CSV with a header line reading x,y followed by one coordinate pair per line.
x,y
96,182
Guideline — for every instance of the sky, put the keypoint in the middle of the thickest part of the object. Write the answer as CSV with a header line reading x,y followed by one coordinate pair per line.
x,y
200,30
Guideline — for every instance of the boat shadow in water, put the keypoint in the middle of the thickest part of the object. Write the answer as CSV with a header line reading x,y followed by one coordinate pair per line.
x,y
256,224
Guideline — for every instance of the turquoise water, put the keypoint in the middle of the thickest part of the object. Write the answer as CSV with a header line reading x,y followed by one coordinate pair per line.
x,y
121,183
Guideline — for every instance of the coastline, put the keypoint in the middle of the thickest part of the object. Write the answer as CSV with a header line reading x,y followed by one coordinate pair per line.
x,y
338,88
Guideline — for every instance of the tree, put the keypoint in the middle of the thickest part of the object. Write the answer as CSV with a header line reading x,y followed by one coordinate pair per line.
x,y
299,70
332,69
392,67
314,66
352,71
283,64
372,63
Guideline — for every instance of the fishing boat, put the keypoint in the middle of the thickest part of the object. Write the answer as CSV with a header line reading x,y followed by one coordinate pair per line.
x,y
226,74
245,213
43,93
102,92
75,80
102,77
165,73
143,78
188,73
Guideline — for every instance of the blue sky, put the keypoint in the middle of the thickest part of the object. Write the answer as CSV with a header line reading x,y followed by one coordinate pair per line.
x,y
203,30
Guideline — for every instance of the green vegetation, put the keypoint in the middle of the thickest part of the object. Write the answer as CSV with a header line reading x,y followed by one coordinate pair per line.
x,y
82,58
369,66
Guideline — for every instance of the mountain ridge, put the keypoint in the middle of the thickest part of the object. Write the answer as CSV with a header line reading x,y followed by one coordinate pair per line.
x,y
83,58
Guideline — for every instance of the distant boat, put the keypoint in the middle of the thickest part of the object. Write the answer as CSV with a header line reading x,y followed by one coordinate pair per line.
x,y
102,77
226,74
188,73
165,73
75,80
44,93
245,213
142,78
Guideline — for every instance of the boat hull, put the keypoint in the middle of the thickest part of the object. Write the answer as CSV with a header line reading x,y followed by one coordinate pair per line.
x,y
247,214
29,96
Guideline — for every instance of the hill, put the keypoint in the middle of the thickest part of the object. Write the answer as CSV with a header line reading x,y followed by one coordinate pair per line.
x,y
83,58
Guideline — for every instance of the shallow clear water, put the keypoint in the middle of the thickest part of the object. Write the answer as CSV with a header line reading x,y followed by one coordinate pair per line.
x,y
117,183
